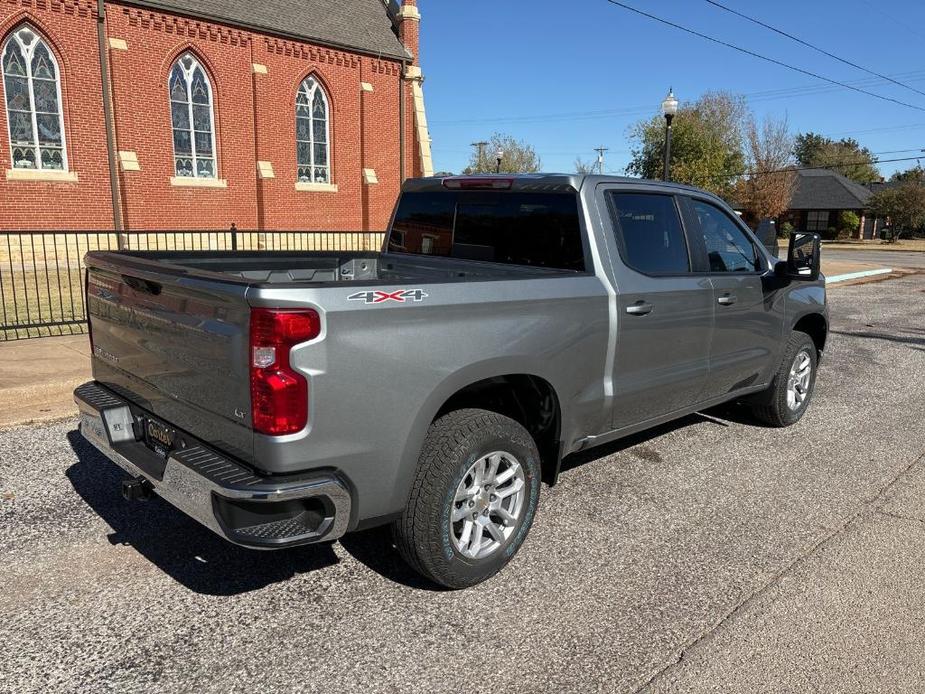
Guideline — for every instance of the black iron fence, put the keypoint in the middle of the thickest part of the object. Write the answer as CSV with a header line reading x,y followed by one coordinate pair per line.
x,y
42,272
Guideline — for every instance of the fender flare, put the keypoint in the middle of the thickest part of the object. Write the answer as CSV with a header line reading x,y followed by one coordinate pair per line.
x,y
449,386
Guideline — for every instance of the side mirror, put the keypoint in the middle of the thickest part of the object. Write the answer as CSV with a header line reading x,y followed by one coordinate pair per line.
x,y
802,258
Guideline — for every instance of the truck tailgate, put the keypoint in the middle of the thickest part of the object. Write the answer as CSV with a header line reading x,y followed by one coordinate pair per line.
x,y
176,346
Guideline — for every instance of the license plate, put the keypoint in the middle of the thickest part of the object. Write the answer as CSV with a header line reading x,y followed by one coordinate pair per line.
x,y
159,437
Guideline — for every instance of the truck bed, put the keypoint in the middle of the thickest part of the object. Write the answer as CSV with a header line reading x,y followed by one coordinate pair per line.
x,y
259,268
170,329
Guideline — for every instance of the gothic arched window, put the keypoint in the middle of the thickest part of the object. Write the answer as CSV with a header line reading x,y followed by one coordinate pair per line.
x,y
192,119
312,133
32,85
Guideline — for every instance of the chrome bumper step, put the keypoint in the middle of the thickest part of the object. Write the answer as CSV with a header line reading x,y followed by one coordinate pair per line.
x,y
222,494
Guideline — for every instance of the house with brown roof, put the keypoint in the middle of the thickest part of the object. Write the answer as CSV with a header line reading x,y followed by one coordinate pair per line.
x,y
819,198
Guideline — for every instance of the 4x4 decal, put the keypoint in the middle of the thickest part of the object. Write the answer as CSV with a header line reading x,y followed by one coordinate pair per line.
x,y
379,297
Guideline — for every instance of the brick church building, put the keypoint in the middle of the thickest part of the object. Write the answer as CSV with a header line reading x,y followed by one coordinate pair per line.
x,y
200,114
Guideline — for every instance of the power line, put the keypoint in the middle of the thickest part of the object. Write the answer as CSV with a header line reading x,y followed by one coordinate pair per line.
x,y
809,45
905,25
882,129
774,61
830,166
764,95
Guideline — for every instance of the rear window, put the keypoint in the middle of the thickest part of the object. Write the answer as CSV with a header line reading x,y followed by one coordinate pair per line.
x,y
649,233
537,229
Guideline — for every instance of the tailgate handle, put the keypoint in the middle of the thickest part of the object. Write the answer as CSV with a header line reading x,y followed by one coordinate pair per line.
x,y
140,285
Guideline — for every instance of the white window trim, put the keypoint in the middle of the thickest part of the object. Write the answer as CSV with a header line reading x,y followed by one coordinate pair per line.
x,y
27,56
200,182
50,175
310,185
188,77
306,187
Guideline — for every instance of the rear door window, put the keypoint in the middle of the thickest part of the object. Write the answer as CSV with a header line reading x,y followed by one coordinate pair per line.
x,y
649,233
534,229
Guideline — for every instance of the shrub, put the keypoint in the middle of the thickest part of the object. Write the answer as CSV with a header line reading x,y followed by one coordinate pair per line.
x,y
785,229
848,223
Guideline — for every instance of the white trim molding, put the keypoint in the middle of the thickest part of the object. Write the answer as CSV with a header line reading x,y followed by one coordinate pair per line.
x,y
128,161
49,175
423,132
306,187
409,12
190,182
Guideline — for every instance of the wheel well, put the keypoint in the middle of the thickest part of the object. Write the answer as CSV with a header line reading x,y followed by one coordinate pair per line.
x,y
529,400
815,326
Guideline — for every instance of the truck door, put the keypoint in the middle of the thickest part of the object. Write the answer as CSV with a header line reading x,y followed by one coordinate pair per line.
x,y
747,332
664,310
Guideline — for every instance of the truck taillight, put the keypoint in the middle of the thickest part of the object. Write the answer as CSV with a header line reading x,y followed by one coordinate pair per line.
x,y
279,393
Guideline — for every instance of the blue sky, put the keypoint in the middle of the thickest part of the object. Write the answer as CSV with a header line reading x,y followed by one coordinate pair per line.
x,y
571,76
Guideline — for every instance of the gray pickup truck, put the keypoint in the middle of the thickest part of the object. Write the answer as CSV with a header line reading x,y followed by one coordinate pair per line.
x,y
288,398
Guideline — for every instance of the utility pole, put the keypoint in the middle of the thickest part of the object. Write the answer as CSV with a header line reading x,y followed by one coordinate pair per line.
x,y
481,145
600,158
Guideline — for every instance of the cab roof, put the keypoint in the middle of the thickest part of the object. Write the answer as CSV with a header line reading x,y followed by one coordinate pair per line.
x,y
537,182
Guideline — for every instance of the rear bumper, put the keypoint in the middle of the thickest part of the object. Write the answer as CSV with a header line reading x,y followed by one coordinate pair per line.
x,y
223,495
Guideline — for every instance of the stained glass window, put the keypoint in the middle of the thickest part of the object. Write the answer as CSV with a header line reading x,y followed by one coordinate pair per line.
x,y
192,119
32,87
312,133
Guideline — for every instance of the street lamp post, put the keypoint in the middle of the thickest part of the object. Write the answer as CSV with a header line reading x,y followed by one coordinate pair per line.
x,y
669,109
499,155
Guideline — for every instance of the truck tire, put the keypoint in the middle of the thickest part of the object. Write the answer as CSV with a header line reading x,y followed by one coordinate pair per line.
x,y
473,498
786,400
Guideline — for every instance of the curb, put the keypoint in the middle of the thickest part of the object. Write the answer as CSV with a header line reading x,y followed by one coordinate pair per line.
x,y
858,275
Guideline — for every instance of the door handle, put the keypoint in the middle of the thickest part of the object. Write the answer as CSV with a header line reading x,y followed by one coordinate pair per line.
x,y
727,300
640,308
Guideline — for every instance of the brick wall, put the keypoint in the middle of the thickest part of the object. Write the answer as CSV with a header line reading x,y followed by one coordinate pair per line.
x,y
254,121
69,27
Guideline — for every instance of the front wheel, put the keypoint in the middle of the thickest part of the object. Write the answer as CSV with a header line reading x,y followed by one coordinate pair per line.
x,y
786,400
473,500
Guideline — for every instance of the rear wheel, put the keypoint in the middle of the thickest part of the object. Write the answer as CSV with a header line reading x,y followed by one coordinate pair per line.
x,y
473,500
787,398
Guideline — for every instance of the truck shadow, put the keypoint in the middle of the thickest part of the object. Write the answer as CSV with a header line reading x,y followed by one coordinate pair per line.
x,y
205,563
182,548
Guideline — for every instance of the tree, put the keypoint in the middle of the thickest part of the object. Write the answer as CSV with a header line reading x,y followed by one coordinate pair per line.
x,y
916,173
585,167
845,156
848,223
706,144
767,188
903,205
519,157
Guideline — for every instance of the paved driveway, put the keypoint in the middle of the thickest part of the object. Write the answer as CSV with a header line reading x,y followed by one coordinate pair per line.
x,y
770,560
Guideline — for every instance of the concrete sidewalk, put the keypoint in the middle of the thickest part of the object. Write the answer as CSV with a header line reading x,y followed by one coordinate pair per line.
x,y
37,376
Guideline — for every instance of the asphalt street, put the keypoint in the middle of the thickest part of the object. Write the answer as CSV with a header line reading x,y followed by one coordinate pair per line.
x,y
711,554
894,259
